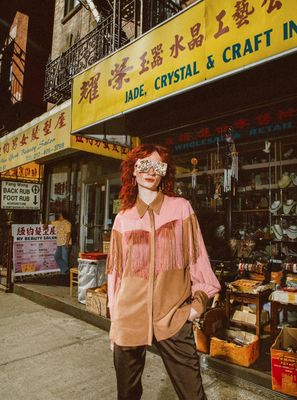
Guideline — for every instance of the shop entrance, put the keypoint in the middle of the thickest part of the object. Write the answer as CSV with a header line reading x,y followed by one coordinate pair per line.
x,y
100,205
93,216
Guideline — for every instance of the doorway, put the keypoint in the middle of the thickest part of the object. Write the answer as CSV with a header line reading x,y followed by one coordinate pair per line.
x,y
92,226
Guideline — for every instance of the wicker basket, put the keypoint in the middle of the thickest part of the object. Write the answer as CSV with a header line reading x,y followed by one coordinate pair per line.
x,y
96,303
245,285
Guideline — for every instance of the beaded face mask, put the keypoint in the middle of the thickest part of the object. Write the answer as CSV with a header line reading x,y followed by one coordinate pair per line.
x,y
143,165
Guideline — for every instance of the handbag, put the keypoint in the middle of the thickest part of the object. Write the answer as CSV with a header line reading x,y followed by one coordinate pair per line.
x,y
212,320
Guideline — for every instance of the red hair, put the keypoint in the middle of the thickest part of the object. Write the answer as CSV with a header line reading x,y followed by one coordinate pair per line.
x,y
129,191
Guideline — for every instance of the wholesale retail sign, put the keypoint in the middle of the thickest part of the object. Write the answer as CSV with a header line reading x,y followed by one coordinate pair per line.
x,y
49,135
262,123
207,40
33,249
20,195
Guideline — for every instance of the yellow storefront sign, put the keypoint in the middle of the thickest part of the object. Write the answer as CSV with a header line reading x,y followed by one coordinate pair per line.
x,y
99,147
47,135
28,172
241,33
207,40
165,60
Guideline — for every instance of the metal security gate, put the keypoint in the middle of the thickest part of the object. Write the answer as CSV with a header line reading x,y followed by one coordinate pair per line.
x,y
6,263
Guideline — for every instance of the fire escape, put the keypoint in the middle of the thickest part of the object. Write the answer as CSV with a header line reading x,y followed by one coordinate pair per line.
x,y
127,20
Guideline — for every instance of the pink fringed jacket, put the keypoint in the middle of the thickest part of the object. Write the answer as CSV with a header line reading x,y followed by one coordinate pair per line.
x,y
158,268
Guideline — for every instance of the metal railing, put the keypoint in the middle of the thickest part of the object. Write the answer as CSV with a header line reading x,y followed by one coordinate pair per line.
x,y
126,22
84,53
6,264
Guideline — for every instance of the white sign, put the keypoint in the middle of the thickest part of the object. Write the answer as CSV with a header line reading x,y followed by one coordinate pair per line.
x,y
20,195
34,247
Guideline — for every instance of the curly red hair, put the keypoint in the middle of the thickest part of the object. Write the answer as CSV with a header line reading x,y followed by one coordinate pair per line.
x,y
129,191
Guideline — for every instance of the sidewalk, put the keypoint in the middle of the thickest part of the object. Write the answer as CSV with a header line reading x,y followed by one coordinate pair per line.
x,y
48,355
56,296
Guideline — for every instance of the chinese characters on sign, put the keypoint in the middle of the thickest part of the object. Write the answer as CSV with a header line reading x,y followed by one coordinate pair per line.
x,y
30,171
206,40
42,139
264,123
99,147
33,249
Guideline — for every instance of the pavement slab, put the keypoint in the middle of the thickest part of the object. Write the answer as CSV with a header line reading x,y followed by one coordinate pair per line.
x,y
48,355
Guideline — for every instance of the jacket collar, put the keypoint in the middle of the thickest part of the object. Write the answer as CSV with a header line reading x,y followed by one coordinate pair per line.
x,y
155,205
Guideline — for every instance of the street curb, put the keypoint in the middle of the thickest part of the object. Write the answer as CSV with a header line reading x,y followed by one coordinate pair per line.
x,y
58,305
239,374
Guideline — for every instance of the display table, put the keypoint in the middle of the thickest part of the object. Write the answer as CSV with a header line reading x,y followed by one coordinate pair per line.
x,y
281,300
259,299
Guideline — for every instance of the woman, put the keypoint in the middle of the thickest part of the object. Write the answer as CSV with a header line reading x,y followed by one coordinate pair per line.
x,y
159,276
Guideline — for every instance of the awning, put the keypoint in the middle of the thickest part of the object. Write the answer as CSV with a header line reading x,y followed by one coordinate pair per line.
x,y
47,137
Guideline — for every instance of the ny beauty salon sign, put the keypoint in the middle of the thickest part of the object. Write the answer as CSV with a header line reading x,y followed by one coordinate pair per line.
x,y
207,40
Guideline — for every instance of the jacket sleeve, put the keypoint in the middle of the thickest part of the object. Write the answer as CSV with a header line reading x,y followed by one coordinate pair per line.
x,y
203,280
114,265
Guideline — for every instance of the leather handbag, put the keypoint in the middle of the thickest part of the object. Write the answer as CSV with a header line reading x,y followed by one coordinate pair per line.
x,y
212,320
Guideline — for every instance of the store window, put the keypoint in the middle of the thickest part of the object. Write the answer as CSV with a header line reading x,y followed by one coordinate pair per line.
x,y
58,191
70,5
63,193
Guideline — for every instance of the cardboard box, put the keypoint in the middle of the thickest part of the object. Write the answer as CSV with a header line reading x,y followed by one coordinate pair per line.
x,y
246,314
284,363
96,303
222,347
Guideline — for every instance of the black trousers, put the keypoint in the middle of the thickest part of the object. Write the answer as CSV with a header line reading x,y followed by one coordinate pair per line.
x,y
180,358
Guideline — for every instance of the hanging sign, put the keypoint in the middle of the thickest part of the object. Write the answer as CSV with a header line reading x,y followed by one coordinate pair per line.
x,y
207,40
29,172
20,195
46,135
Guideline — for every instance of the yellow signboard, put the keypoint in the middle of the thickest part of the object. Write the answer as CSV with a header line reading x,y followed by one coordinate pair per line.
x,y
208,39
99,147
165,60
29,172
47,136
240,33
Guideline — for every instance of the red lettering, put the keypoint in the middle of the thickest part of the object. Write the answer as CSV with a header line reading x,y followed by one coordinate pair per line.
x,y
177,46
221,28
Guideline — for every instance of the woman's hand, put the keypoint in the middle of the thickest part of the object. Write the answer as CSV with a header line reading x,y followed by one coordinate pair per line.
x,y
111,346
193,314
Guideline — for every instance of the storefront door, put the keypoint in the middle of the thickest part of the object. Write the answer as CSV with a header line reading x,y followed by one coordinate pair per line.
x,y
93,217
